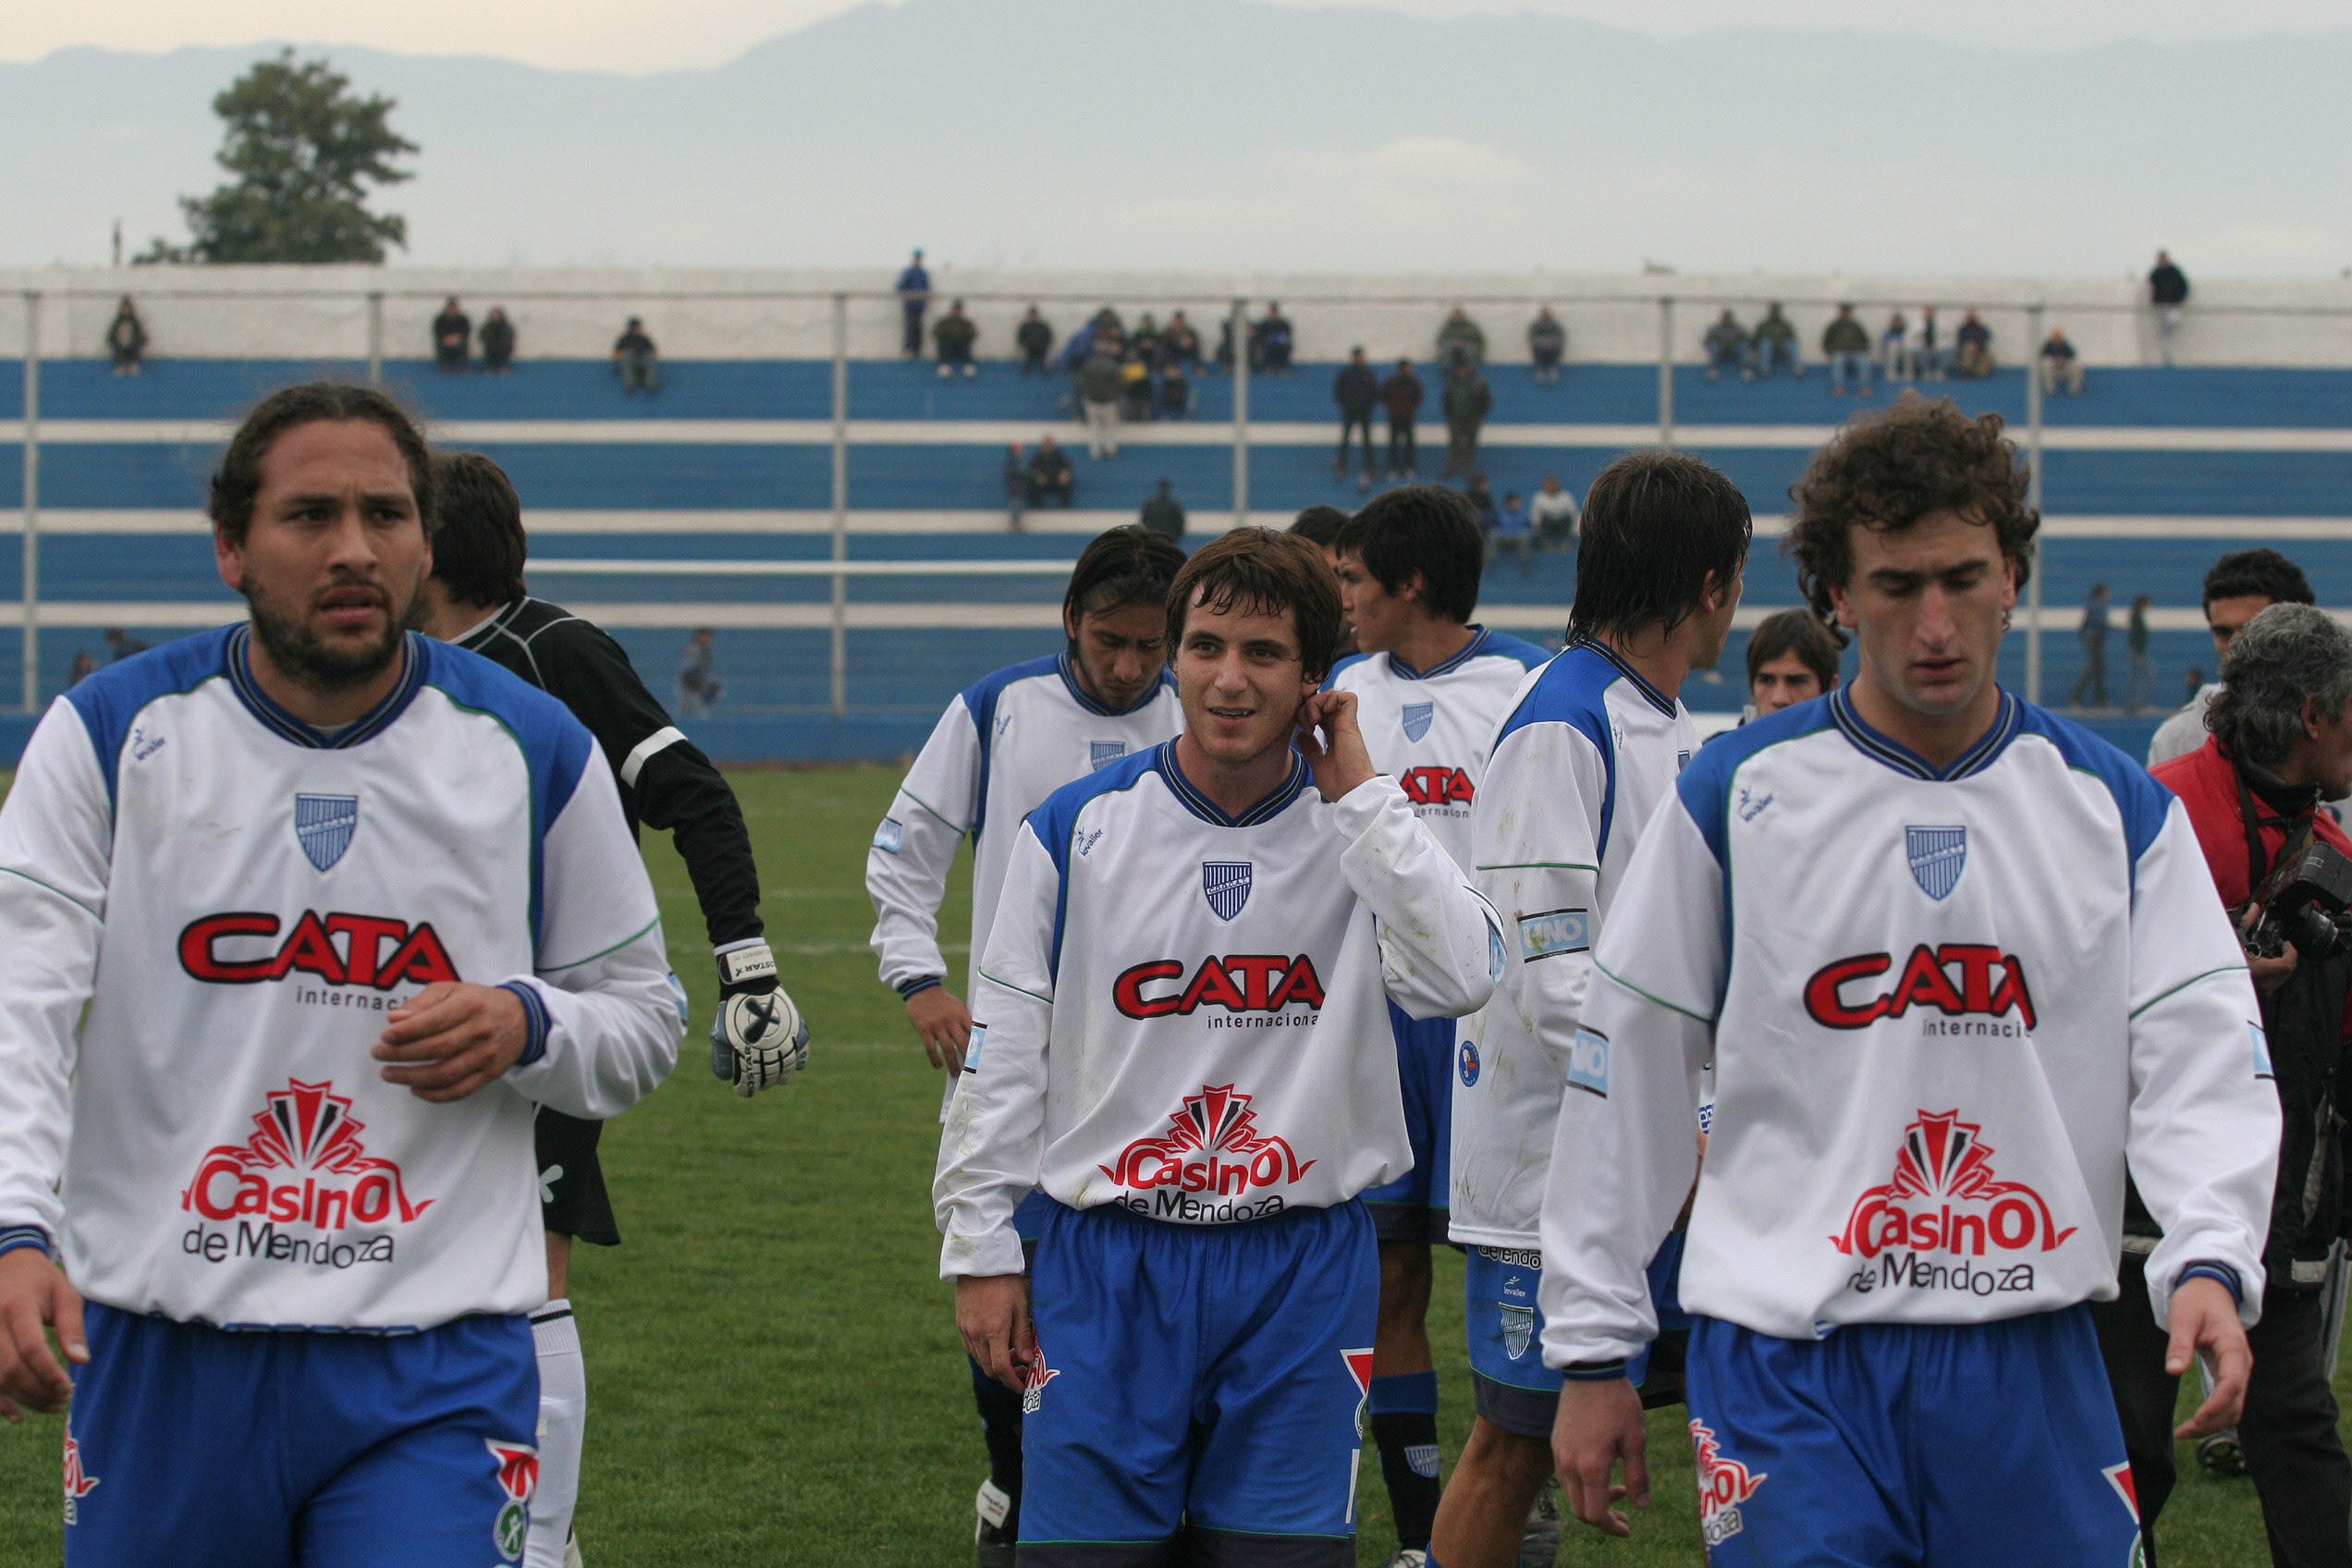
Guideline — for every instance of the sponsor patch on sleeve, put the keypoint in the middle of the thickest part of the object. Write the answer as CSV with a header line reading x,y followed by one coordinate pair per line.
x,y
1588,1062
2261,1052
1497,960
971,1047
1554,932
888,836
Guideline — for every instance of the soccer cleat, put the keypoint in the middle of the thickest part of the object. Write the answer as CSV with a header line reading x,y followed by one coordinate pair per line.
x,y
1408,1557
2221,1454
1541,1546
992,1543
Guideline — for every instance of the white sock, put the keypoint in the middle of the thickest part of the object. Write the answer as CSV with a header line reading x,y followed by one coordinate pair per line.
x,y
563,1428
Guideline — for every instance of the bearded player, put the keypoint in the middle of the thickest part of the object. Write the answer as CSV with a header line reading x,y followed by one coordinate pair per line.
x,y
303,919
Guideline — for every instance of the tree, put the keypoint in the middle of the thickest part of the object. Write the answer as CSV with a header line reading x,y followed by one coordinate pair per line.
x,y
304,152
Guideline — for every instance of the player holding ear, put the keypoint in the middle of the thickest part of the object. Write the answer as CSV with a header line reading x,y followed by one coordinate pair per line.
x,y
1181,1041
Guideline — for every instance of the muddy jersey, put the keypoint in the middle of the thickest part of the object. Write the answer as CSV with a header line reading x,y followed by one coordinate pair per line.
x,y
1946,1008
1003,746
1432,729
1186,1013
239,900
1589,750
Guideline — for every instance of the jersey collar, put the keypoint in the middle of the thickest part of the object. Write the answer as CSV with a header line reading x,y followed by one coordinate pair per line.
x,y
1455,660
1068,670
362,730
1208,811
478,632
1903,760
1634,678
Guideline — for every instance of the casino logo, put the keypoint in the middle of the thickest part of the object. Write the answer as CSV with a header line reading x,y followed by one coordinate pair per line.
x,y
1226,885
1416,716
518,1478
1938,856
1213,1146
79,1483
304,1165
1723,1485
1946,1201
324,825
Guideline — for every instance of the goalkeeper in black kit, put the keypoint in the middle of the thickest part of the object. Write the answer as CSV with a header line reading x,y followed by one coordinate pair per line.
x,y
476,599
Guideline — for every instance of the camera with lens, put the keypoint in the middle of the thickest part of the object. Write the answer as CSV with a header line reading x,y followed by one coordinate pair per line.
x,y
2304,902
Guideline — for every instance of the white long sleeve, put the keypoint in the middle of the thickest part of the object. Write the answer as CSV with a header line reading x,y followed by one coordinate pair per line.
x,y
1441,942
907,867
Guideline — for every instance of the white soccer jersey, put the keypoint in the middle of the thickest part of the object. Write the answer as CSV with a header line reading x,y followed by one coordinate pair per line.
x,y
1186,1013
1944,1005
1003,746
1588,752
239,900
1432,729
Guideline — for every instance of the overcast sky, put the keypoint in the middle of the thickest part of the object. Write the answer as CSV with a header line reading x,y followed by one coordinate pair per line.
x,y
630,35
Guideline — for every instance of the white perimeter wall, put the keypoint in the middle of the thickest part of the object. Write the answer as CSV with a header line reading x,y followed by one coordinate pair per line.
x,y
322,312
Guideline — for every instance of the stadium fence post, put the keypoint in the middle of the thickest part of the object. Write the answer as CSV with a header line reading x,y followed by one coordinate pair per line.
x,y
839,652
1666,370
1241,412
31,502
375,337
2032,357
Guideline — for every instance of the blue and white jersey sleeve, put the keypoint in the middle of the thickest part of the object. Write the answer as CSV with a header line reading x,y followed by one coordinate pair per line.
x,y
606,1022
906,869
1441,943
55,844
992,1147
2202,1137
1624,1151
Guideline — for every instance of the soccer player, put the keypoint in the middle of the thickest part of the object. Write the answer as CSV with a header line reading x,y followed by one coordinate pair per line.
x,y
342,905
1180,1040
1957,963
475,598
1588,752
1430,689
1792,658
1003,745
1320,526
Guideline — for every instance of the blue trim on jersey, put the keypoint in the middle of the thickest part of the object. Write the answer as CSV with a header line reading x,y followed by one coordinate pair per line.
x,y
238,662
1208,811
980,704
2143,802
1881,748
1574,689
2220,1272
1650,693
111,700
1704,786
534,1022
1056,818
1069,669
15,1238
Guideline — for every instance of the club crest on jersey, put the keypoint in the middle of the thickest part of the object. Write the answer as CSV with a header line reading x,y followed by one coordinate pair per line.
x,y
324,825
80,1483
1937,856
1226,885
1417,719
1102,754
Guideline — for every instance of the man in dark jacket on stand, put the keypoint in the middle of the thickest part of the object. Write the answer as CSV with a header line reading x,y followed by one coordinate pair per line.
x,y
1400,395
1357,392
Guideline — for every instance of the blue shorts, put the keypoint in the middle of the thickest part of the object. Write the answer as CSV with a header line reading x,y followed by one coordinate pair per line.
x,y
1413,1206
1926,1446
1029,1215
205,1448
1509,1385
1209,1375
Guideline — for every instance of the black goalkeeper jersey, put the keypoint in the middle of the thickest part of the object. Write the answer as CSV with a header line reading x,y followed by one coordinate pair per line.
x,y
666,782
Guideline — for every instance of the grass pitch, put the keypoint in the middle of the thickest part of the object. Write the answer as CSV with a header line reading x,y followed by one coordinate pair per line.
x,y
773,1369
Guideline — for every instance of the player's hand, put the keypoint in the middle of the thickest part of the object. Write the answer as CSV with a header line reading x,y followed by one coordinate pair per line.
x,y
992,1313
1337,757
453,1038
943,1023
759,1038
2205,1324
1598,1424
34,1297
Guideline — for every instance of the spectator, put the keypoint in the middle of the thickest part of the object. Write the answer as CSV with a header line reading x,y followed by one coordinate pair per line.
x,y
1270,342
1554,516
1547,345
1135,386
497,342
2239,586
635,358
2167,292
1461,340
698,685
1513,533
1846,343
954,333
2139,684
1016,485
1180,345
2061,366
1175,391
1110,334
1036,339
914,297
1926,347
1100,386
1146,341
1051,479
85,664
1895,350
121,645
1225,344
127,339
1972,345
1468,400
2092,681
1482,501
1726,346
452,337
1357,392
1400,395
1775,340
1077,349
1164,514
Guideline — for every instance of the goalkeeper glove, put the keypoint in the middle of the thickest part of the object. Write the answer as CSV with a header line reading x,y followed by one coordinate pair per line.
x,y
759,1038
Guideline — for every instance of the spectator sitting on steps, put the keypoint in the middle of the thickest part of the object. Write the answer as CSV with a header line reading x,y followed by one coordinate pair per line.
x,y
1051,480
1554,516
1972,349
127,339
497,342
1547,345
1036,339
1181,344
452,336
1726,346
1270,342
1146,340
2061,366
1461,340
636,360
2167,292
954,334
1775,340
1175,392
1846,343
1163,514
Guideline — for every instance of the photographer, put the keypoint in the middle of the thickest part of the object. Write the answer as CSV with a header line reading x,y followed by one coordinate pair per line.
x,y
2281,743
